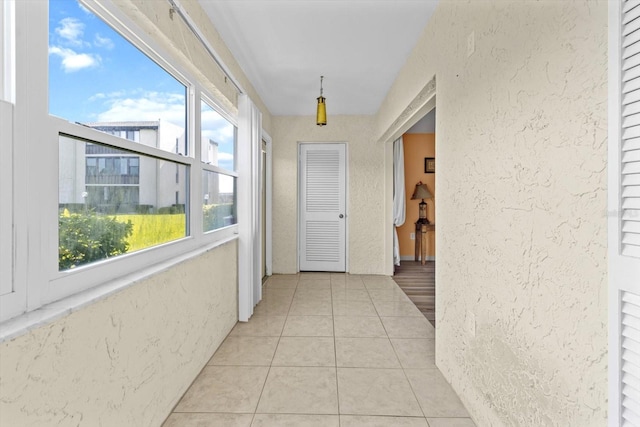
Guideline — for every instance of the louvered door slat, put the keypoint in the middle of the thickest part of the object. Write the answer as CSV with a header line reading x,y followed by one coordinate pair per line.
x,y
629,16
630,161
630,364
630,4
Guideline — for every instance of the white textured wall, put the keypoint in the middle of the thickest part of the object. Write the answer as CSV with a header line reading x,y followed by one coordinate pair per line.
x,y
521,143
365,188
127,359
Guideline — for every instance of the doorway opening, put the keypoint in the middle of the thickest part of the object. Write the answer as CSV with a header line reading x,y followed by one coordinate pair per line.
x,y
416,237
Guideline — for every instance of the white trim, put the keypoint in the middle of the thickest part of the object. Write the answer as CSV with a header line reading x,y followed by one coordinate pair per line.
x,y
613,162
269,203
249,256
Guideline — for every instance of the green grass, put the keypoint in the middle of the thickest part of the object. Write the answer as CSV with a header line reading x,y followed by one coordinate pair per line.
x,y
151,230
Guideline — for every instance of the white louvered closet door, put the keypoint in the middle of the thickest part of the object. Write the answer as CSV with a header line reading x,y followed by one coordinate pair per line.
x,y
624,213
322,207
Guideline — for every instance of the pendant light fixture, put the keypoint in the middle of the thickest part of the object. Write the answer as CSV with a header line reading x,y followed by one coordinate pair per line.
x,y
321,115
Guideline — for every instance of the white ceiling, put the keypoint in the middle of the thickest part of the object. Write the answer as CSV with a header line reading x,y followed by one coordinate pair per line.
x,y
284,46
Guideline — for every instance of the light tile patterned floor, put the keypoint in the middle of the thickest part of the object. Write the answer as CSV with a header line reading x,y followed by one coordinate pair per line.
x,y
325,350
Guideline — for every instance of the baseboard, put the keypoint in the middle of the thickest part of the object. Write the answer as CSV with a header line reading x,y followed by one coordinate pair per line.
x,y
413,258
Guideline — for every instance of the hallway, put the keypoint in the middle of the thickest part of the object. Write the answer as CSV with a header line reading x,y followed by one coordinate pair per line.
x,y
325,350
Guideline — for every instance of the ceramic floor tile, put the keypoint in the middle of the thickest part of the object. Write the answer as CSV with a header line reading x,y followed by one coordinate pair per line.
x,y
353,308
260,326
415,353
349,294
348,286
367,421
254,351
379,283
376,392
299,391
388,295
234,389
435,395
311,308
282,420
365,353
186,419
305,351
308,326
272,308
397,308
358,327
281,284
408,327
314,276
314,284
278,294
451,422
312,294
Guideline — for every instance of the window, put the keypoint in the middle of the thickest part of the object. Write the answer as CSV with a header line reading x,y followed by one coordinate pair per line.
x,y
120,202
115,116
218,153
99,79
111,209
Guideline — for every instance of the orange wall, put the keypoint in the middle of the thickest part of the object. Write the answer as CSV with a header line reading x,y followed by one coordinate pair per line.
x,y
416,148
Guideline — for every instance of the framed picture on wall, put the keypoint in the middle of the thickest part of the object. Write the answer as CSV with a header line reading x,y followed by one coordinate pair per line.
x,y
429,165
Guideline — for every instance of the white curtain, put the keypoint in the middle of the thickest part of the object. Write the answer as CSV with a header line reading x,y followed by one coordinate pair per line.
x,y
399,198
248,196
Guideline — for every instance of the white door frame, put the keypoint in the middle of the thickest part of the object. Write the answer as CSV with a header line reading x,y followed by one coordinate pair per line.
x,y
424,102
269,202
346,195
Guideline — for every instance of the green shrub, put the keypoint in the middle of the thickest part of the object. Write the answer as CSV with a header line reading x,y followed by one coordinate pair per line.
x,y
87,237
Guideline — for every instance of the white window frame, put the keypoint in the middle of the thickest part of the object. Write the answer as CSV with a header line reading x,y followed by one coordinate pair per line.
x,y
209,100
35,221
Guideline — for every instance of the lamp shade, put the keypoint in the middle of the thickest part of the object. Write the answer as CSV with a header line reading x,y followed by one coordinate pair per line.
x,y
421,192
321,115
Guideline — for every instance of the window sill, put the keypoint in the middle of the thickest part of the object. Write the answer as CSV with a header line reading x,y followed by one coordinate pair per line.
x,y
22,324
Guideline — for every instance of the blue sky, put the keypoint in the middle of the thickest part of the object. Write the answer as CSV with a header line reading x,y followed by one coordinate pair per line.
x,y
95,75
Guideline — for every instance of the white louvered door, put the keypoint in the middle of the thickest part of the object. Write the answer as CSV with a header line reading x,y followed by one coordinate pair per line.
x,y
322,208
624,213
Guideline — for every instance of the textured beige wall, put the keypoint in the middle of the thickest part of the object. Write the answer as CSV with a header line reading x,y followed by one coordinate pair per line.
x,y
521,143
127,359
365,188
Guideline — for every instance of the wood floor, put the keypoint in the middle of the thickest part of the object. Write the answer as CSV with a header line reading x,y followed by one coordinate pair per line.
x,y
419,283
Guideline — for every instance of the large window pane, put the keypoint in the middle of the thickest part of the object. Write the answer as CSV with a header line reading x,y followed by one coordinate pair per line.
x,y
98,79
218,139
219,200
112,202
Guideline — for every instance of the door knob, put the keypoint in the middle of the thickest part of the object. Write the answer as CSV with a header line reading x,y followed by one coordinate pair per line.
x,y
340,216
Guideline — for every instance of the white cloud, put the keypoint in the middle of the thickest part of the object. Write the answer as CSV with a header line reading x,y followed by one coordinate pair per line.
x,y
143,106
73,61
83,8
225,156
104,42
71,30
217,128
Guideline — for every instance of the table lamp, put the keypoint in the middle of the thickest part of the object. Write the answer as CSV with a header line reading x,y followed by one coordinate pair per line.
x,y
422,192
